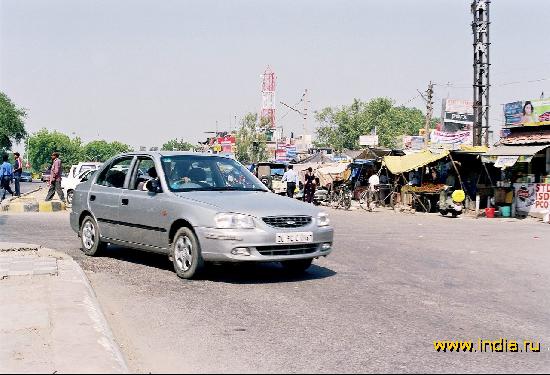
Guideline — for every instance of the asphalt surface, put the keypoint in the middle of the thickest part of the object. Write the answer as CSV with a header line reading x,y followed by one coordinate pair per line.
x,y
29,186
393,285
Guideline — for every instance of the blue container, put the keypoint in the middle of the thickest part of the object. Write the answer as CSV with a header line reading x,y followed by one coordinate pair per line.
x,y
505,211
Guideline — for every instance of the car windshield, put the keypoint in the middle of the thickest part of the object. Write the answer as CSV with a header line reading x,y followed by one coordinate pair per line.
x,y
207,173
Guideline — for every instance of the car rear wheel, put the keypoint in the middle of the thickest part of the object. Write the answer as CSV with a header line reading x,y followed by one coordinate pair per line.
x,y
89,237
186,254
297,266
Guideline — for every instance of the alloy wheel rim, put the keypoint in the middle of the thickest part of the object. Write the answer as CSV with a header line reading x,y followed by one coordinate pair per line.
x,y
88,235
183,253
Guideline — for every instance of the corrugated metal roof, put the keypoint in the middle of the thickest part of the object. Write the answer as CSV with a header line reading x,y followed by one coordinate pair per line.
x,y
525,150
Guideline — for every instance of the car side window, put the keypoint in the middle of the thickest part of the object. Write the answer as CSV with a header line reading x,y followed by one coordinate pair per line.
x,y
115,174
145,171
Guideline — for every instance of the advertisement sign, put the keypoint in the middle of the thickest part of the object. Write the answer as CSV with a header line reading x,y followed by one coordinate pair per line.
x,y
527,113
464,137
413,142
225,144
458,121
368,140
531,198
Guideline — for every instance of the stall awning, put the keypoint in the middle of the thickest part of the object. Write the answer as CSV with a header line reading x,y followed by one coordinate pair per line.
x,y
507,156
525,150
406,163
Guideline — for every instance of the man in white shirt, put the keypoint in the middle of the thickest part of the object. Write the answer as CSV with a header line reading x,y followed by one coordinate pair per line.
x,y
291,179
374,181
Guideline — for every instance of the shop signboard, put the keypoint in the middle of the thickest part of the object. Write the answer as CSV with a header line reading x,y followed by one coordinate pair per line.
x,y
532,198
458,121
291,152
527,113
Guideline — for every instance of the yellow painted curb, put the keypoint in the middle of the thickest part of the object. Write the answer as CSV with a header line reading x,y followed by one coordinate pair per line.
x,y
51,206
45,206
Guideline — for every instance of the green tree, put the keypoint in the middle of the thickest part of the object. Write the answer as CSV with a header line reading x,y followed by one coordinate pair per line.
x,y
42,143
341,127
102,150
12,124
252,139
177,145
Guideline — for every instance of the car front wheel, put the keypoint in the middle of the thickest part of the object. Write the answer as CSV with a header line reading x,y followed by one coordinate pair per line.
x,y
89,237
186,254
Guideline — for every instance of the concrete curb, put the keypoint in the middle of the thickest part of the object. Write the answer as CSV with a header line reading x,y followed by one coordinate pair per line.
x,y
93,316
32,205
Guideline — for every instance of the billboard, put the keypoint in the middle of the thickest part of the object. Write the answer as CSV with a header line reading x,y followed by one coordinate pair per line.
x,y
457,125
368,140
527,113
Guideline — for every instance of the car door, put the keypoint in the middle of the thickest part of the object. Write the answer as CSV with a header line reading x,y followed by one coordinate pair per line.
x,y
145,214
105,196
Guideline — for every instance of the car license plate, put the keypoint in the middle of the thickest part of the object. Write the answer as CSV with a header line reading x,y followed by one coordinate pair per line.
x,y
296,237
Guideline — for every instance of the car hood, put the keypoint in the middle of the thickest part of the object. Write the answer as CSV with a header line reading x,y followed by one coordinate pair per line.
x,y
253,203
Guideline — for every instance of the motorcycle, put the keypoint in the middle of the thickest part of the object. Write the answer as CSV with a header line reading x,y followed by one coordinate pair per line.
x,y
321,197
451,202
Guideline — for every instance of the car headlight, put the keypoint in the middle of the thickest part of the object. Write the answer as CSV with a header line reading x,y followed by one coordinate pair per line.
x,y
234,221
323,220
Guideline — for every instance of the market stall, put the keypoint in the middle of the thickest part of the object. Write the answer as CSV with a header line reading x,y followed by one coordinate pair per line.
x,y
524,188
419,193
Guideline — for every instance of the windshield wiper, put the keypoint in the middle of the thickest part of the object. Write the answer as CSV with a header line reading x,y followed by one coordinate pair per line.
x,y
233,188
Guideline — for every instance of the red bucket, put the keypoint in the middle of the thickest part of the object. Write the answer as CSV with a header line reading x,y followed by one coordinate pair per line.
x,y
490,212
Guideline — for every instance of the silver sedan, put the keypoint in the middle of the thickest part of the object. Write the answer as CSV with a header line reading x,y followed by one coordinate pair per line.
x,y
196,208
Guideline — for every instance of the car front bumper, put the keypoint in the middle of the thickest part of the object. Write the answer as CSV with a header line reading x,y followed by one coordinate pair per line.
x,y
222,245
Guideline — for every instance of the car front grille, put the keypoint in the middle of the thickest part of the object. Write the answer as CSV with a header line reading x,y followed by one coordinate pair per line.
x,y
287,221
287,249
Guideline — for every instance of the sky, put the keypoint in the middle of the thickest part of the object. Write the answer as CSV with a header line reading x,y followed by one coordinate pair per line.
x,y
143,72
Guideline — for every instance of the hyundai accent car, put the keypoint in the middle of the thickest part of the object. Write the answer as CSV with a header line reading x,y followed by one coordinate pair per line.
x,y
195,208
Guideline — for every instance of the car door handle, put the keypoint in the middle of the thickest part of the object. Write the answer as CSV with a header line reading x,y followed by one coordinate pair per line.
x,y
92,198
125,202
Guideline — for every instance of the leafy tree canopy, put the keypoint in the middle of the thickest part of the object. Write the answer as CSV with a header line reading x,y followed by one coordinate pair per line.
x,y
177,145
341,127
102,150
42,143
12,124
252,139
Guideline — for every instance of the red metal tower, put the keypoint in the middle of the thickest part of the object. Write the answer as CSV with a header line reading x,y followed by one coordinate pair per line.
x,y
268,97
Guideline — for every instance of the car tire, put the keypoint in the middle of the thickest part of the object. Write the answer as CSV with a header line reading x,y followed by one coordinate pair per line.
x,y
70,195
90,238
297,266
186,254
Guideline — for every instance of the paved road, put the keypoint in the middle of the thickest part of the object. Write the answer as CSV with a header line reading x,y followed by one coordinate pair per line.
x,y
393,285
29,186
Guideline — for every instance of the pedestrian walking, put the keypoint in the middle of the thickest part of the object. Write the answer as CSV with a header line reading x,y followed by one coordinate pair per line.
x,y
291,179
17,170
55,179
6,175
309,186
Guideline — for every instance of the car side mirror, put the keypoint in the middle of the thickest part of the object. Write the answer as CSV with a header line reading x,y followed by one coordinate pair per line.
x,y
153,186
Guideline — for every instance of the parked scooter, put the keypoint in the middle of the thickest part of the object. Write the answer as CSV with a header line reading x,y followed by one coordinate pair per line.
x,y
451,202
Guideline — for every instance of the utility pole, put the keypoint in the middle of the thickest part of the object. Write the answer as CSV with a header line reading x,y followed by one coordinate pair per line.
x,y
304,112
429,98
480,29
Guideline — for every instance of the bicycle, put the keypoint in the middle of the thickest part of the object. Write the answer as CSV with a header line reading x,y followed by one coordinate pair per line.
x,y
370,199
341,198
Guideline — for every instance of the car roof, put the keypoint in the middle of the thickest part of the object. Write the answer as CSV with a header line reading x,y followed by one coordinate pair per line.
x,y
172,153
